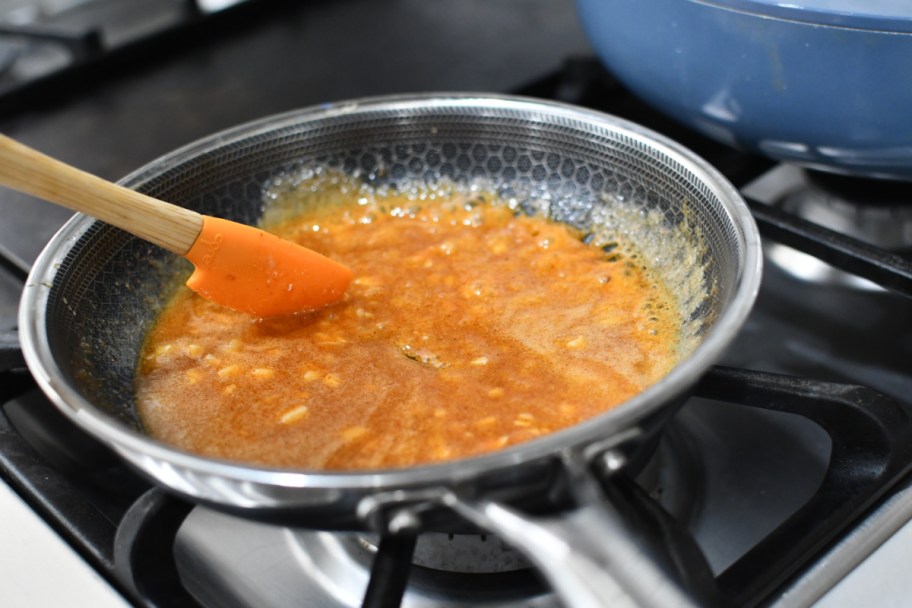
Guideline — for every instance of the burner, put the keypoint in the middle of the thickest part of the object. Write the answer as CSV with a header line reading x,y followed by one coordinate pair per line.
x,y
332,569
877,212
221,556
459,553
475,570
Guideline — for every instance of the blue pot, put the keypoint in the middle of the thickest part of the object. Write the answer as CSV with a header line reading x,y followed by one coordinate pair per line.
x,y
827,85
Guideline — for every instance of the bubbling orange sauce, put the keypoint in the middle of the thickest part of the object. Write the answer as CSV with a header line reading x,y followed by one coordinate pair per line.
x,y
467,329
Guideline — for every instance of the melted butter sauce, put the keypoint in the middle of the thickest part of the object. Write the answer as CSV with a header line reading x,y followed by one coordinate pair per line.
x,y
467,329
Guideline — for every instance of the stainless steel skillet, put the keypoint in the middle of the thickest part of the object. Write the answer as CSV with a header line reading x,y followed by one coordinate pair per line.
x,y
95,290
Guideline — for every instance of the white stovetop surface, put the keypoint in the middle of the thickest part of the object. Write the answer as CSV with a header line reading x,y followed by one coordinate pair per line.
x,y
37,568
882,580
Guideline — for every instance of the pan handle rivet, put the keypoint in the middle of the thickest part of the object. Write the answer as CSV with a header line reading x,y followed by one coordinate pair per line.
x,y
612,461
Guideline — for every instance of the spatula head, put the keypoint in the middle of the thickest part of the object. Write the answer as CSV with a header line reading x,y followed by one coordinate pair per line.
x,y
256,272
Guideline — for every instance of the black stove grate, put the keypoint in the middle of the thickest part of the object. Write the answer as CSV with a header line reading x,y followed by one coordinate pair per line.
x,y
100,43
871,451
124,527
887,269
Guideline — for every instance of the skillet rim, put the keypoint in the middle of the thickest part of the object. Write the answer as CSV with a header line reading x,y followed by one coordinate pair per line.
x,y
146,452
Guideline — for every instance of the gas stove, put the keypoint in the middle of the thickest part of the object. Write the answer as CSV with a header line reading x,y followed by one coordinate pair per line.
x,y
783,480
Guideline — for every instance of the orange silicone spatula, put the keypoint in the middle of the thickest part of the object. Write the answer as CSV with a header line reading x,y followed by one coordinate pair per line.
x,y
238,266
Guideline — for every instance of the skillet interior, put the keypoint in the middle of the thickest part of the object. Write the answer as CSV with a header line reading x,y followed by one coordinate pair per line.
x,y
100,289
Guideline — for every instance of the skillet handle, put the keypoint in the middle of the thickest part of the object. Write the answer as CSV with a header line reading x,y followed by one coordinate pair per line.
x,y
590,555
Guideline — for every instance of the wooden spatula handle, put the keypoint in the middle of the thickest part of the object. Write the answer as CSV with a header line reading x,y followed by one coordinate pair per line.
x,y
29,171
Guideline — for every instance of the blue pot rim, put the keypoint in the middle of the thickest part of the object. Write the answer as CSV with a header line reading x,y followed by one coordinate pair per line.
x,y
888,16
